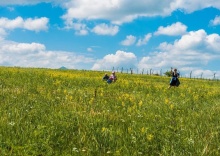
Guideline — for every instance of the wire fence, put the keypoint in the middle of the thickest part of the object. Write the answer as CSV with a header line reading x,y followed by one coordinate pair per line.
x,y
162,72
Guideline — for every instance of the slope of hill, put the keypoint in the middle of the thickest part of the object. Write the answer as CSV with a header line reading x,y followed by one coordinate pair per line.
x,y
73,112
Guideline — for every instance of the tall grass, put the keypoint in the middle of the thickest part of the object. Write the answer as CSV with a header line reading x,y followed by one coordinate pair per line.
x,y
47,112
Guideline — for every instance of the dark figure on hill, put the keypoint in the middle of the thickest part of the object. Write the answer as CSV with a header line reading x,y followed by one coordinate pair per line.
x,y
105,77
175,78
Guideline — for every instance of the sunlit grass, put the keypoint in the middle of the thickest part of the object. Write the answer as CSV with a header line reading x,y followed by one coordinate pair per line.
x,y
74,112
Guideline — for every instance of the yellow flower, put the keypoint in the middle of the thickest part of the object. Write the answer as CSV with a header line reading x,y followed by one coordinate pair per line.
x,y
171,106
103,129
65,91
150,137
91,101
129,110
166,101
117,152
143,130
140,103
70,97
196,97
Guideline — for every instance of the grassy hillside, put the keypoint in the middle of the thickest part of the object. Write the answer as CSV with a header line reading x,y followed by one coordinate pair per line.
x,y
48,112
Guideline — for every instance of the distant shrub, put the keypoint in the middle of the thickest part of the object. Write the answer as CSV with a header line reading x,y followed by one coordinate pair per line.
x,y
167,73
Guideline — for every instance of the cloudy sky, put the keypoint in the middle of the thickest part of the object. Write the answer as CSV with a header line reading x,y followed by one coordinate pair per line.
x,y
101,34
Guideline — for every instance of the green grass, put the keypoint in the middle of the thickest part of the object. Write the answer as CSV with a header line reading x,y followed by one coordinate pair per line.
x,y
47,112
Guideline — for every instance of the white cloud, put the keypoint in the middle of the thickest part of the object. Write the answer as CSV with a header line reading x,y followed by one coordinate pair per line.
x,y
36,55
130,39
80,28
11,24
100,29
89,49
23,48
121,11
175,29
2,33
119,59
144,40
216,21
194,49
199,41
116,11
104,29
212,43
193,5
37,24
192,40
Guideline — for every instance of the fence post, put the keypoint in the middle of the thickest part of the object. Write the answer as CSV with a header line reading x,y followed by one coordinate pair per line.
x,y
131,71
190,74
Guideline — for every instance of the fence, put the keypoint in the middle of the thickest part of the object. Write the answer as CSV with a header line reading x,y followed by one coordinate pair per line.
x,y
162,72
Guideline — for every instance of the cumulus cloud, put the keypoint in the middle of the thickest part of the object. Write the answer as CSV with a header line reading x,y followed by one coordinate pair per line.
x,y
2,33
36,55
175,29
194,49
121,11
104,29
11,24
190,6
130,40
23,48
37,24
215,21
79,27
116,11
119,59
144,40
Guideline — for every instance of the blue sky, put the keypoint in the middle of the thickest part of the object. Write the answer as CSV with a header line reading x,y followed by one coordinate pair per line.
x,y
99,35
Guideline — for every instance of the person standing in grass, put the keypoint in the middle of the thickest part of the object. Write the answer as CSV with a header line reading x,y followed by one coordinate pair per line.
x,y
175,78
112,78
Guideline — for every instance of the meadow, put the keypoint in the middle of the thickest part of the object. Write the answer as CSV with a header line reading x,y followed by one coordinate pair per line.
x,y
48,112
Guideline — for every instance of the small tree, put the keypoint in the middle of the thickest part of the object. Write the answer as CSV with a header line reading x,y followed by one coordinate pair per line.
x,y
167,73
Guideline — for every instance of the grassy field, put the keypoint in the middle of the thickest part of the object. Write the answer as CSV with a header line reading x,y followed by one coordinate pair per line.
x,y
47,112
